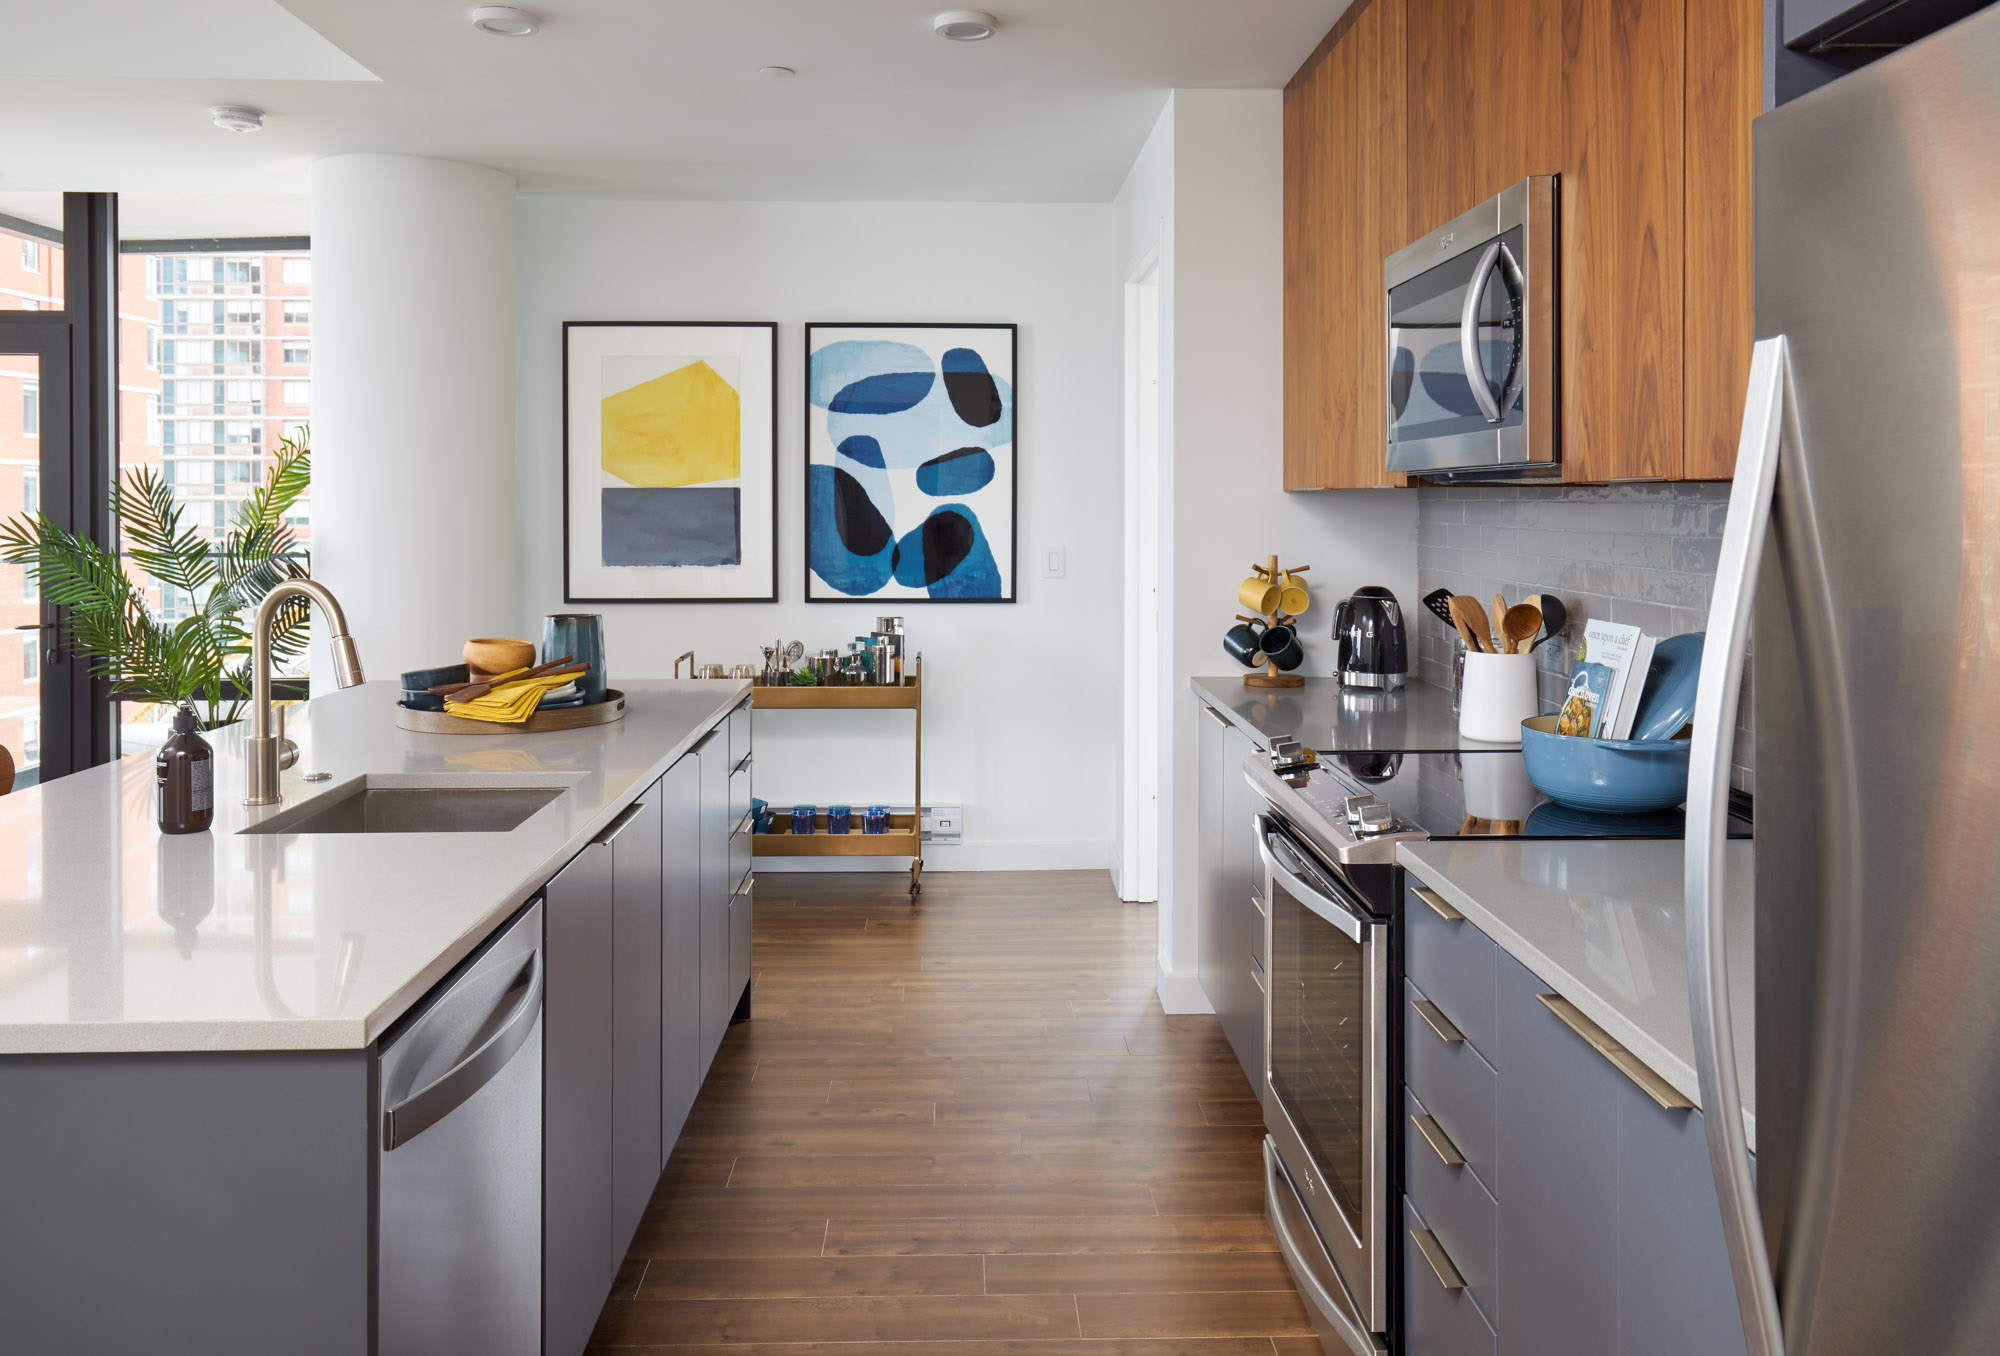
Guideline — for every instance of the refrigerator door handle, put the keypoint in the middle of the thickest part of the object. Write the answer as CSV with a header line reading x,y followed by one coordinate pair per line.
x,y
1769,419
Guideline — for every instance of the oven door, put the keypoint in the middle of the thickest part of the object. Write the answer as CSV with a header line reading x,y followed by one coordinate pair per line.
x,y
1327,1063
1471,315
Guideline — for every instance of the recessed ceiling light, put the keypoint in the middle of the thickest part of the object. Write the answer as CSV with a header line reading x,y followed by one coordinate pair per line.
x,y
964,25
776,72
236,118
504,21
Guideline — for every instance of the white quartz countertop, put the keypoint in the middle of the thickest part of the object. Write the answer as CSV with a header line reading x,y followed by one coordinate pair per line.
x,y
1601,923
114,937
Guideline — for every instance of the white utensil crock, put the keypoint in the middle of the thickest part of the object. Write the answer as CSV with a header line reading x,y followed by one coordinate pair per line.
x,y
1499,694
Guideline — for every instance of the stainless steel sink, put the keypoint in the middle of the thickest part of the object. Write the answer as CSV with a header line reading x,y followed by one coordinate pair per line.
x,y
384,803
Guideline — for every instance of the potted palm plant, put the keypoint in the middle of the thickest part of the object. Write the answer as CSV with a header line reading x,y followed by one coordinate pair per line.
x,y
146,653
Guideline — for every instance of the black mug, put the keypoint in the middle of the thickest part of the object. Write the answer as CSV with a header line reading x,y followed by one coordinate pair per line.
x,y
1244,644
1282,648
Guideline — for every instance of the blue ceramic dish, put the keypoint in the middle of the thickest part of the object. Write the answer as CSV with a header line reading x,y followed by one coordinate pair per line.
x,y
1666,702
1622,776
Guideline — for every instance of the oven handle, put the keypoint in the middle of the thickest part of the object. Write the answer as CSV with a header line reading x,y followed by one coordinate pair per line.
x,y
1269,843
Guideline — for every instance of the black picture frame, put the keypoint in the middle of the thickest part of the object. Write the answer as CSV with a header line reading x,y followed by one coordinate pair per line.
x,y
1014,478
771,329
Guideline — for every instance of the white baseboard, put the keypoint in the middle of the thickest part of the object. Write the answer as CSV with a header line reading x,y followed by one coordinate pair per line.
x,y
1180,993
1079,855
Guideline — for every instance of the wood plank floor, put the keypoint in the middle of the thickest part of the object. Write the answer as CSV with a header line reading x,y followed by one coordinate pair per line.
x,y
963,1128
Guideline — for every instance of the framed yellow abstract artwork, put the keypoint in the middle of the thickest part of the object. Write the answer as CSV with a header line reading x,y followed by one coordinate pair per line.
x,y
669,462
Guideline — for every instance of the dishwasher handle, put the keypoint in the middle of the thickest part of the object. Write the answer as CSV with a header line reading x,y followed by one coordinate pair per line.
x,y
454,1087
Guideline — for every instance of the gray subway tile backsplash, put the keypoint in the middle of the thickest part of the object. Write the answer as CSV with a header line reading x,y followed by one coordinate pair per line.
x,y
1643,554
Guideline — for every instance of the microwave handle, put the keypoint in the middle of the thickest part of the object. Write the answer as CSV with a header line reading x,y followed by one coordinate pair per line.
x,y
1468,333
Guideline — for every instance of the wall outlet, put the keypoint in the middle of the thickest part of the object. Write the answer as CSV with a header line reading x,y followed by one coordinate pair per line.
x,y
1055,562
944,823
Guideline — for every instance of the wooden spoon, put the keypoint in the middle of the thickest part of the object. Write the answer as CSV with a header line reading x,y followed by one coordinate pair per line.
x,y
1470,619
1518,626
1499,614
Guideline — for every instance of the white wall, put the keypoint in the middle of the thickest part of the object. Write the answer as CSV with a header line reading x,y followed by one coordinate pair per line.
x,y
1021,710
1210,184
413,404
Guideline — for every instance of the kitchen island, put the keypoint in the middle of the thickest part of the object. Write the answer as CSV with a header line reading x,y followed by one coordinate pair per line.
x,y
192,1028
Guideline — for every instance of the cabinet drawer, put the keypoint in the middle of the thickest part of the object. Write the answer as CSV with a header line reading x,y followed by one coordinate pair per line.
x,y
1455,964
739,857
739,797
1258,921
1455,1085
1463,1216
1437,1319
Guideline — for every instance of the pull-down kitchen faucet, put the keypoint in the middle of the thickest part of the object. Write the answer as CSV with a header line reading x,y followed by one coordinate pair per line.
x,y
266,754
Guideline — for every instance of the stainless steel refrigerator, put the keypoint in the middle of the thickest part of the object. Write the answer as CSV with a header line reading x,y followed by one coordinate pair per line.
x,y
1871,598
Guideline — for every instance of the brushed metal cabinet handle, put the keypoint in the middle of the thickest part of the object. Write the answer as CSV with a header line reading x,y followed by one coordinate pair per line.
x,y
1597,1038
1439,1141
1437,1021
744,886
1439,1259
617,826
1439,904
1257,976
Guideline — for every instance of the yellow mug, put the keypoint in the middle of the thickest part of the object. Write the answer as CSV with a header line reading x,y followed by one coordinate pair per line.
x,y
1259,594
1292,595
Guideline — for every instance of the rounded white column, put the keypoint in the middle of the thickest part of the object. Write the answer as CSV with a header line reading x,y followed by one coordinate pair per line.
x,y
413,410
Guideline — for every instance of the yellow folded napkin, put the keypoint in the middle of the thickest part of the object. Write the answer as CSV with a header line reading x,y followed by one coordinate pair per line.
x,y
511,701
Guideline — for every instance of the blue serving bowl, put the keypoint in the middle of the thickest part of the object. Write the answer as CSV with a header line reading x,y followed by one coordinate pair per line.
x,y
1623,776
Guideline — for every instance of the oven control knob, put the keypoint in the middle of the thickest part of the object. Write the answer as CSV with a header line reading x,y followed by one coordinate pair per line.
x,y
1353,805
1376,818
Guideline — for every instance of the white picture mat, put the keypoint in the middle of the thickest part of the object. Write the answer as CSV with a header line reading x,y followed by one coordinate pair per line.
x,y
994,503
743,355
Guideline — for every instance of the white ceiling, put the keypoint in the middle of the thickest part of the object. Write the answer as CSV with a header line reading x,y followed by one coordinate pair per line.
x,y
657,98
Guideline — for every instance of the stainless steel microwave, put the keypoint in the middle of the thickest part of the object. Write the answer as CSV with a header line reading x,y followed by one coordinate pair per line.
x,y
1472,341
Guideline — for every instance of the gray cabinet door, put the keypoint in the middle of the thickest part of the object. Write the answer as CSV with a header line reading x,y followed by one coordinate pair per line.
x,y
680,947
1242,1006
718,1000
1213,949
577,1261
1558,1140
1675,1293
635,998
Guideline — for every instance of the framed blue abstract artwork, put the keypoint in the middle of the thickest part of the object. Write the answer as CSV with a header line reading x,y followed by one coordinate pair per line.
x,y
911,461
670,462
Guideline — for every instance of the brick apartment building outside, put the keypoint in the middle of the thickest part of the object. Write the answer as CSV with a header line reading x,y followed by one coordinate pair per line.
x,y
214,367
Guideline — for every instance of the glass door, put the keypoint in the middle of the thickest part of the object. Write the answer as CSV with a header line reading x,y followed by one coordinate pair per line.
x,y
34,433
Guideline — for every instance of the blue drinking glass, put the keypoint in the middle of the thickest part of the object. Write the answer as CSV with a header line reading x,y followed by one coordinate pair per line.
x,y
581,636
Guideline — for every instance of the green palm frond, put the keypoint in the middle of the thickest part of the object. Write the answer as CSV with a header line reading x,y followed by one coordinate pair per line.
x,y
172,553
104,612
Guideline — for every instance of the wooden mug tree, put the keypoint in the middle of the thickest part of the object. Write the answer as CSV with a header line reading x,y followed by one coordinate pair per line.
x,y
1277,616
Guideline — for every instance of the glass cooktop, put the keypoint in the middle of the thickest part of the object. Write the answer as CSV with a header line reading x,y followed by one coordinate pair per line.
x,y
1479,794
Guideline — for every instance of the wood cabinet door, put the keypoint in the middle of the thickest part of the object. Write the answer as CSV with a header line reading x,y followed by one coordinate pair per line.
x,y
1725,93
1344,213
1623,93
1485,107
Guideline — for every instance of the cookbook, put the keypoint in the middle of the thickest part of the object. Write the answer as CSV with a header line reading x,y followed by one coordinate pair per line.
x,y
1597,695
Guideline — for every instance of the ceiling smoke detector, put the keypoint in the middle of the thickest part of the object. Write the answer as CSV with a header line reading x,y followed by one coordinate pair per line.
x,y
237,118
504,21
964,25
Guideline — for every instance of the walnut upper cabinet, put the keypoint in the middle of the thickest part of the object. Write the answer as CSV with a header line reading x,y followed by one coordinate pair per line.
x,y
1345,210
1412,111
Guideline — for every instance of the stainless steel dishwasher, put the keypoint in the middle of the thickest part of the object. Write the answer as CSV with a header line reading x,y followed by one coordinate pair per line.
x,y
459,1251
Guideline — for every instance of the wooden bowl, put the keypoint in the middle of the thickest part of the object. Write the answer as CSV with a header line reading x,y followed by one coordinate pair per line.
x,y
491,654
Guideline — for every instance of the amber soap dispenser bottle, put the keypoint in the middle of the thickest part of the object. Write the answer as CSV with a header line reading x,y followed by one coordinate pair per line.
x,y
184,778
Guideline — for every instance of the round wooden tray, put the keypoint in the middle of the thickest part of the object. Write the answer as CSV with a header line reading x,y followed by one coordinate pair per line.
x,y
542,722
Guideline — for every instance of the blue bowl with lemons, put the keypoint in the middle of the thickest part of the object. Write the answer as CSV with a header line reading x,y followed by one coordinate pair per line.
x,y
1618,776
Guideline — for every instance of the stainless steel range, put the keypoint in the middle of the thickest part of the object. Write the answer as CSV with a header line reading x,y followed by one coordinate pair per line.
x,y
1332,896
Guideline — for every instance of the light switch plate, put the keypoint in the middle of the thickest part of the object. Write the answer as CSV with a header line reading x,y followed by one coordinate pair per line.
x,y
1055,562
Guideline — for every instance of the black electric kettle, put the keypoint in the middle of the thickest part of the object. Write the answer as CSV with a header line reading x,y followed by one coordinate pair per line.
x,y
1373,650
